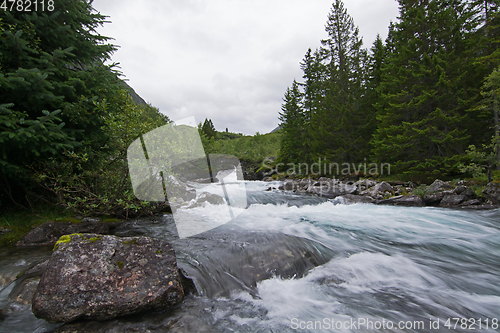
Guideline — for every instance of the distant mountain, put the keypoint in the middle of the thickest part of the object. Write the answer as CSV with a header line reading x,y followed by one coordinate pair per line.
x,y
135,97
274,130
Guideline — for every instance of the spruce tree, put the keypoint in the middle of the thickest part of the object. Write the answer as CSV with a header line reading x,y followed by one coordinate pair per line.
x,y
484,50
292,124
336,122
371,96
52,73
421,110
209,129
312,99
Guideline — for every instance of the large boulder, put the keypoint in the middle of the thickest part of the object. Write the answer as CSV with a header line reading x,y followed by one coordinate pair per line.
x,y
48,233
99,277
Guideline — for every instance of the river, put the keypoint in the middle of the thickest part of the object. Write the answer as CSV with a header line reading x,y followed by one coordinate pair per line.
x,y
322,266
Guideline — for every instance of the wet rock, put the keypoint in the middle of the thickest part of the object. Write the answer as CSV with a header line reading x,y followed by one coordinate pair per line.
x,y
408,201
452,200
26,292
465,190
5,279
380,189
48,233
331,190
433,199
192,316
438,185
353,198
91,219
211,198
288,185
238,259
98,277
4,231
364,184
472,202
492,192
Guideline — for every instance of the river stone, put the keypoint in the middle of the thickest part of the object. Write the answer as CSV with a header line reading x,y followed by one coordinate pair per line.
x,y
364,184
492,192
352,198
379,190
48,233
4,231
408,201
332,191
438,185
211,198
452,199
99,277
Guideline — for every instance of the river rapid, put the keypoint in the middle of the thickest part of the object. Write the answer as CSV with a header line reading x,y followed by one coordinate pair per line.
x,y
322,266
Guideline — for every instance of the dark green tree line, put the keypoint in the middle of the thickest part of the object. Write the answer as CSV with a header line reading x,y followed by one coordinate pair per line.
x,y
58,102
413,101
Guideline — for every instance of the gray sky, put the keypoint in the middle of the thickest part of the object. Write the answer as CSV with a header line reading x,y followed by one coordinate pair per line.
x,y
228,60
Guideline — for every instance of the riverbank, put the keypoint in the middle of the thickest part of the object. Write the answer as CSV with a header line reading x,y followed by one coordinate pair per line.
x,y
460,194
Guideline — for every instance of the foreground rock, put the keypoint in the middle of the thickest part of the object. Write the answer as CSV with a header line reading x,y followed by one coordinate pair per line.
x,y
48,233
99,277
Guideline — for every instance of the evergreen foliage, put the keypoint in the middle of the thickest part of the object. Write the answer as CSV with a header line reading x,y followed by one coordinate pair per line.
x,y
209,129
413,101
65,121
337,122
421,104
292,118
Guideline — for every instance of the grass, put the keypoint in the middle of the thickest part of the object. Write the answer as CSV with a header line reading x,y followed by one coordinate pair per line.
x,y
248,148
22,221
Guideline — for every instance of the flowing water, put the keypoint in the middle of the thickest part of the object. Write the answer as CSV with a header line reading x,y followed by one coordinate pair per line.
x,y
297,263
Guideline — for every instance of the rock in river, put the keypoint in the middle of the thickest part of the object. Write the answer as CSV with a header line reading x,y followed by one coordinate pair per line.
x,y
48,233
99,277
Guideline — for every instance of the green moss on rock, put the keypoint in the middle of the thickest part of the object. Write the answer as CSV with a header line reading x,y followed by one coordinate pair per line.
x,y
64,239
132,241
93,239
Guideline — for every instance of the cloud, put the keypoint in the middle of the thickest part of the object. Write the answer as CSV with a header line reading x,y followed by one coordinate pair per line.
x,y
228,60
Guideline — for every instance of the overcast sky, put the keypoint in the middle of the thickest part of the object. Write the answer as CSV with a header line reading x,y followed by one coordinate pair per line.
x,y
227,60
